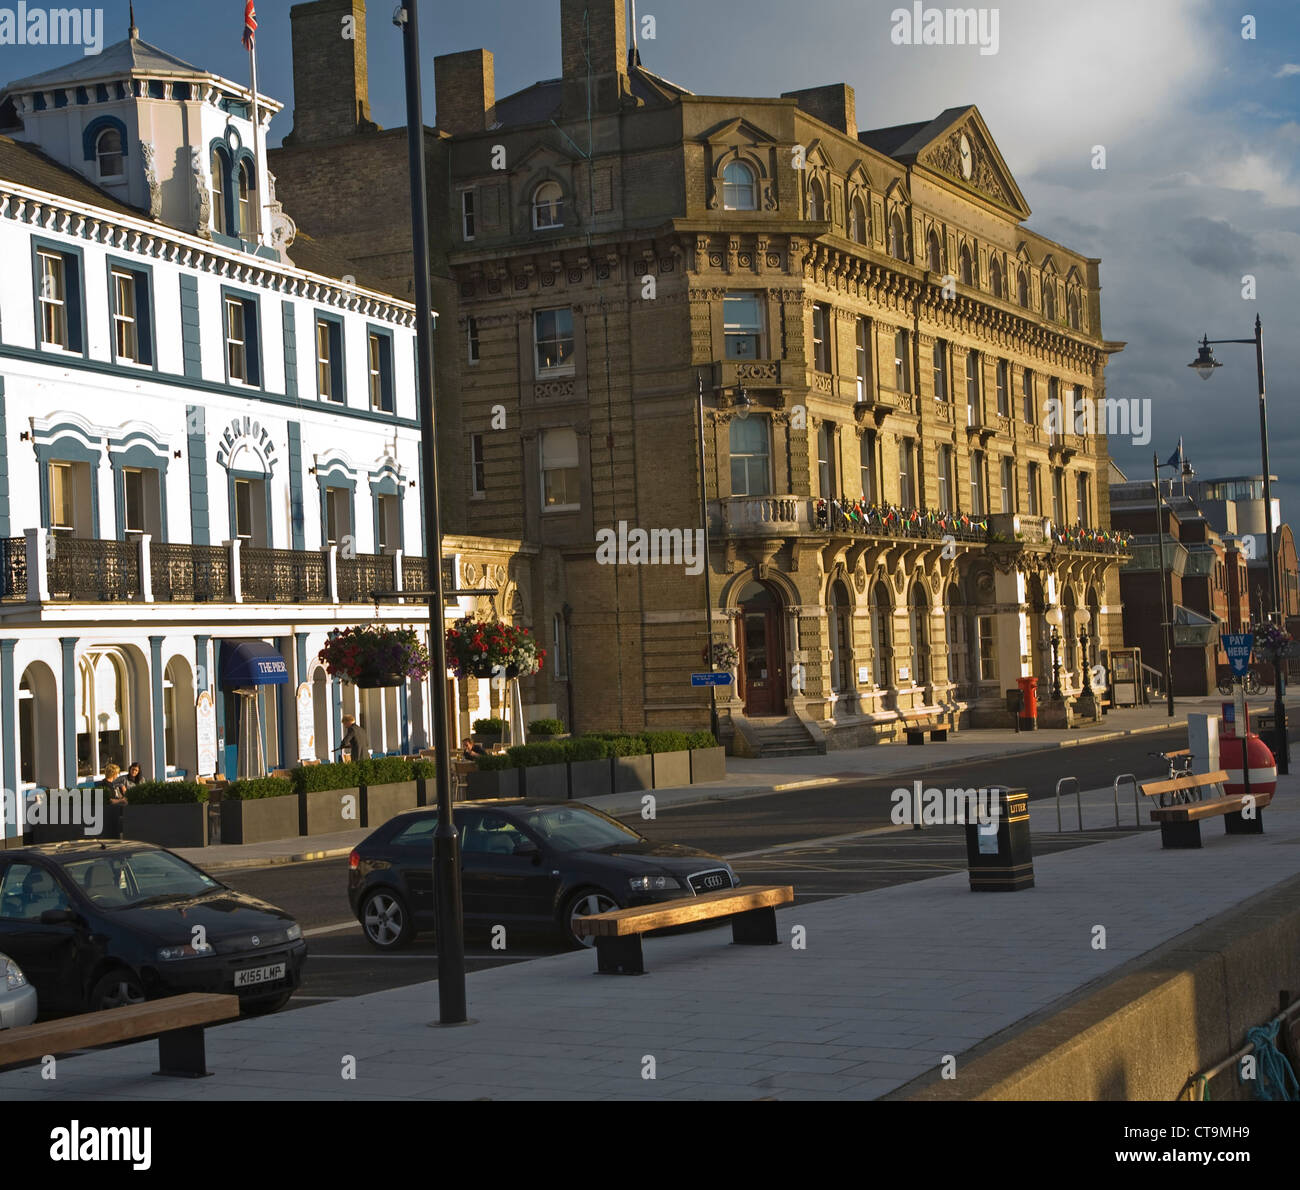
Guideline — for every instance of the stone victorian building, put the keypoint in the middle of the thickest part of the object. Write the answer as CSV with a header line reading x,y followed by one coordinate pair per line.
x,y
901,474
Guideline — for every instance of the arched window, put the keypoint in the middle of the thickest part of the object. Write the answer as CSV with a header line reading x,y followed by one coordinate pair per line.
x,y
840,624
958,638
1072,308
103,722
920,631
816,200
967,267
220,169
881,637
548,206
934,252
1049,299
247,228
109,153
857,222
995,278
739,192
897,240
1022,289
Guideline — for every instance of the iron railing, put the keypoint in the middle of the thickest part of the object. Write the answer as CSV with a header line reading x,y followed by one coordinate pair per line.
x,y
283,576
91,569
363,574
13,568
190,573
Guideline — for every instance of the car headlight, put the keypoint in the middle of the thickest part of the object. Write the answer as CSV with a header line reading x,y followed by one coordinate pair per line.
x,y
169,953
13,975
293,933
653,883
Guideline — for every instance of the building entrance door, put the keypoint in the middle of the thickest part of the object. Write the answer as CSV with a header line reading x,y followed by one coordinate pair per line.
x,y
762,663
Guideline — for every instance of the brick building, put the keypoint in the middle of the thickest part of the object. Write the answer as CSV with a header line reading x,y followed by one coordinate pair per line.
x,y
901,476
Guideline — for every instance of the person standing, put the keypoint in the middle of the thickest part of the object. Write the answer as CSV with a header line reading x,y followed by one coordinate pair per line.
x,y
355,739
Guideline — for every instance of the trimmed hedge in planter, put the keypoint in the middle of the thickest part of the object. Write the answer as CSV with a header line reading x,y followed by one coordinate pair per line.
x,y
590,778
167,813
379,803
545,782
502,781
259,811
546,727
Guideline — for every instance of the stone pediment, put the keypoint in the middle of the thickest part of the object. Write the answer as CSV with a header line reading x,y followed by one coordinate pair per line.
x,y
989,176
739,131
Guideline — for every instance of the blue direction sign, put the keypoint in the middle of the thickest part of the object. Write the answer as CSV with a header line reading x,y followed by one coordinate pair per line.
x,y
1238,646
718,679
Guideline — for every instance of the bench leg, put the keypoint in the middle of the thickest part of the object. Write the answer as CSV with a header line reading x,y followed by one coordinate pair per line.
x,y
1180,834
940,734
755,927
916,737
1235,824
181,1053
619,956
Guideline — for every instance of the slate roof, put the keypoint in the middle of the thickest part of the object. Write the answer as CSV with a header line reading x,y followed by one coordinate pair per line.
x,y
131,56
26,165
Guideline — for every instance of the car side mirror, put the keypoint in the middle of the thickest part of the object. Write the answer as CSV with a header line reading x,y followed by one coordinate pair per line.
x,y
58,917
527,847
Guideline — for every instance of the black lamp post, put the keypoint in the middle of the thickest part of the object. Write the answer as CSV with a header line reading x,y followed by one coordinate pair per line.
x,y
1205,364
1166,602
708,578
446,842
1055,617
1084,615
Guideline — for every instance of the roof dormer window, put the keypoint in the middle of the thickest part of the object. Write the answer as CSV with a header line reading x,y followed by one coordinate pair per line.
x,y
109,154
548,206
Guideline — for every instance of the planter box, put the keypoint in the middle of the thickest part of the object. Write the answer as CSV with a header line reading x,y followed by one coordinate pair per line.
x,y
183,825
381,802
590,778
708,764
322,812
671,769
259,820
493,783
632,773
548,782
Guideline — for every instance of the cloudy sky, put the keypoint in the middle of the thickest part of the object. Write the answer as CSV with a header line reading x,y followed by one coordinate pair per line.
x,y
1201,128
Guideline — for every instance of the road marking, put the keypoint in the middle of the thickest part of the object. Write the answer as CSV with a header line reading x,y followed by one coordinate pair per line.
x,y
430,958
334,929
879,830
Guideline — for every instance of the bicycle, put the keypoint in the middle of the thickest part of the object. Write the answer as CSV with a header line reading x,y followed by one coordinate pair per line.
x,y
1179,762
1252,682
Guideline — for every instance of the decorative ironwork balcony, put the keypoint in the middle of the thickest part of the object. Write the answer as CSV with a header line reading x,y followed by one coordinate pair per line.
x,y
864,519
190,573
415,574
89,569
362,574
13,568
285,576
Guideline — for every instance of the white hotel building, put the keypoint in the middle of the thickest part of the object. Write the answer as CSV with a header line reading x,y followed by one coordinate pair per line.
x,y
208,439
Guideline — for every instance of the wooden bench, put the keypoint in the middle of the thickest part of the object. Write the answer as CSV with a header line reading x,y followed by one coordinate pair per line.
x,y
1182,803
917,725
618,933
177,1022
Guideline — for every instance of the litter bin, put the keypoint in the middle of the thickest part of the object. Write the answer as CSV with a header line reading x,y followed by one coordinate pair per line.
x,y
1028,704
998,850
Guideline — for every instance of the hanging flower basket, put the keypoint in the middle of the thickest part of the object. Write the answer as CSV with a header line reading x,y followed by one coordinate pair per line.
x,y
1272,642
372,657
725,655
476,648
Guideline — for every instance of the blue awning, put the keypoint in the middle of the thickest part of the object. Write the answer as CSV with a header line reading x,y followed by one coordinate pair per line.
x,y
251,663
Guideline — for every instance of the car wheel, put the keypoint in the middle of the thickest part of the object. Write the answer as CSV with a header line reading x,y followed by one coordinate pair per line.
x,y
386,919
114,989
584,903
266,1007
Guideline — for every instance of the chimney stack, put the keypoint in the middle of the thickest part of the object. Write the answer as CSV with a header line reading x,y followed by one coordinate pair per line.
x,y
598,28
465,85
835,105
331,85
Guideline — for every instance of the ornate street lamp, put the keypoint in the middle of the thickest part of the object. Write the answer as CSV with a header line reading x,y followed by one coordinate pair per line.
x,y
1055,617
1084,616
1204,365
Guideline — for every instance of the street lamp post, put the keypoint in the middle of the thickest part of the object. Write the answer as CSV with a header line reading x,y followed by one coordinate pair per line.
x,y
1166,612
708,578
1205,364
1055,617
446,843
1083,615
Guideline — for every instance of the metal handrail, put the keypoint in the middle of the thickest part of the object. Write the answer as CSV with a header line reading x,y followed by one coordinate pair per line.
x,y
1078,801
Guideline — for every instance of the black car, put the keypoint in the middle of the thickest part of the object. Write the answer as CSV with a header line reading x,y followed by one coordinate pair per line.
x,y
538,864
95,925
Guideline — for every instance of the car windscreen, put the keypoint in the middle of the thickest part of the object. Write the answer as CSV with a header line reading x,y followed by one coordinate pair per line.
x,y
117,881
572,828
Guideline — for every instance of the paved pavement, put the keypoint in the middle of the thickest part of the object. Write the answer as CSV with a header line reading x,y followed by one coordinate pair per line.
x,y
746,777
886,986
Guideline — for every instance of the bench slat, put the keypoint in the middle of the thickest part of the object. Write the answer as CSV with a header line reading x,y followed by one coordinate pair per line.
x,y
1195,811
131,1022
1184,784
619,923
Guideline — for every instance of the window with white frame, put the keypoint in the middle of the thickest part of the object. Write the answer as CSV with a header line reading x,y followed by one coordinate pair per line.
x,y
978,505
1007,484
940,368
380,367
53,295
548,206
1033,492
973,388
751,467
1083,498
130,316
906,482
743,325
1004,384
1028,396
867,463
739,188
945,477
237,353
329,359
388,522
827,442
247,219
141,501
553,341
903,361
561,475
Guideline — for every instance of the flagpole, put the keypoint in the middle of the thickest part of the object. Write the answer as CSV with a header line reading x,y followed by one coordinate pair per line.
x,y
262,229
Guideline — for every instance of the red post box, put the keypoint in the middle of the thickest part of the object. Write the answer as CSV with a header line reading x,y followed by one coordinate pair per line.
x,y
1028,703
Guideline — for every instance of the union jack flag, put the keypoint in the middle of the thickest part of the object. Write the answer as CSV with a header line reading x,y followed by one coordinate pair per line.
x,y
250,24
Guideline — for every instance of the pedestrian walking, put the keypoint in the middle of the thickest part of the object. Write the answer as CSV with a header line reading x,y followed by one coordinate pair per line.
x,y
355,739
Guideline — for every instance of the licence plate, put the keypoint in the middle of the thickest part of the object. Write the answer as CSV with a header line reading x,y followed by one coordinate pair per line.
x,y
252,976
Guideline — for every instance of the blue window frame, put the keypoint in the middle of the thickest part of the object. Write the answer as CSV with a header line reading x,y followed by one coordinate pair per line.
x,y
140,490
249,493
77,487
379,368
130,310
338,511
59,291
241,329
331,384
387,493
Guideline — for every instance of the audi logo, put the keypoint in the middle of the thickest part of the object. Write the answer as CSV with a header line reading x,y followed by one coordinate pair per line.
x,y
256,940
713,882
